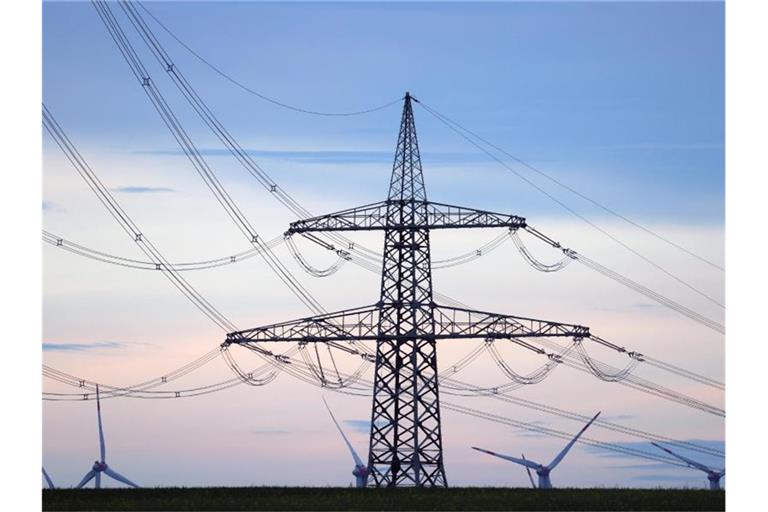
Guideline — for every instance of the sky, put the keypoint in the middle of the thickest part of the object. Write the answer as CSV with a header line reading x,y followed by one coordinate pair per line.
x,y
622,101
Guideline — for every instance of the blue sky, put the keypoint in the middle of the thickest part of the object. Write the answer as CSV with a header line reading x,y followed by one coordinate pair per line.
x,y
623,101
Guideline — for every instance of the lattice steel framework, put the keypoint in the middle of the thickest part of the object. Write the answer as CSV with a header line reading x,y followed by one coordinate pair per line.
x,y
405,442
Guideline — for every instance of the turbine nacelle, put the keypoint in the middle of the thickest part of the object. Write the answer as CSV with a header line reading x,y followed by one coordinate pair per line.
x,y
361,471
361,475
714,479
543,474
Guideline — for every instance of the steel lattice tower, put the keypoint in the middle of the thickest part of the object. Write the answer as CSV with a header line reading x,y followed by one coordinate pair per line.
x,y
406,445
406,442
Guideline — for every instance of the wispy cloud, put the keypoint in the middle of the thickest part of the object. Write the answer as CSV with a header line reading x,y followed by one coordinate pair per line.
x,y
648,466
270,432
645,446
640,306
363,426
330,156
132,189
617,417
531,433
50,206
669,146
78,347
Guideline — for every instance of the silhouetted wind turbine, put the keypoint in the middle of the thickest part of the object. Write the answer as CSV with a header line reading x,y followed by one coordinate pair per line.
x,y
541,470
361,469
713,476
100,467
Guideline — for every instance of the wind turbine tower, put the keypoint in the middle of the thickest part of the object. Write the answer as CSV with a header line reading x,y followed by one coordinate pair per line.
x,y
542,470
100,466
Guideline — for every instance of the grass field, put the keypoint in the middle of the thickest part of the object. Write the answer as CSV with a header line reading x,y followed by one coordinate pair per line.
x,y
313,498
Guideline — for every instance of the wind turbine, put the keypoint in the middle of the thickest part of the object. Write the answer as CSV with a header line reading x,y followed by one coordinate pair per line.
x,y
361,469
712,475
100,467
541,470
48,480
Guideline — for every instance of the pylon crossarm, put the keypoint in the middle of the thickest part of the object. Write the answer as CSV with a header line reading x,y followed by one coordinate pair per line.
x,y
438,216
361,218
346,325
447,216
453,323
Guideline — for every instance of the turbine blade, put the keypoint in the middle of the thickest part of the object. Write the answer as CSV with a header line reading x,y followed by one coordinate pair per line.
x,y
48,479
358,460
568,447
523,462
692,463
530,475
120,478
98,479
102,448
87,478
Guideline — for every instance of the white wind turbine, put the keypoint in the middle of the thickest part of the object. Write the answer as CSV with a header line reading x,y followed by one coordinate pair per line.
x,y
100,467
361,469
713,476
48,480
541,470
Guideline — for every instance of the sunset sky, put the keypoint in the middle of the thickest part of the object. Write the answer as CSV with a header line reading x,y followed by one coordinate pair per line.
x,y
622,101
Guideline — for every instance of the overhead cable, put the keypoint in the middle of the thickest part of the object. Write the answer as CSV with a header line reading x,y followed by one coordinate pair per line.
x,y
250,90
128,225
631,249
445,119
196,158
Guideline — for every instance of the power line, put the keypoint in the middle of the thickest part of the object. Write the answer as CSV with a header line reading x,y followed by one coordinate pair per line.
x,y
138,264
189,93
317,374
571,255
195,157
128,225
366,386
125,222
81,250
252,91
56,240
557,433
596,367
245,159
576,192
450,125
563,413
242,156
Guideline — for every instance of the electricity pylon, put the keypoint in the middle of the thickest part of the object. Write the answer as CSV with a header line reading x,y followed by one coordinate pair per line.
x,y
406,443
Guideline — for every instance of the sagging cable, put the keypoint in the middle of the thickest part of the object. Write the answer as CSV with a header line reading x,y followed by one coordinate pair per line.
x,y
246,377
343,257
597,371
535,263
